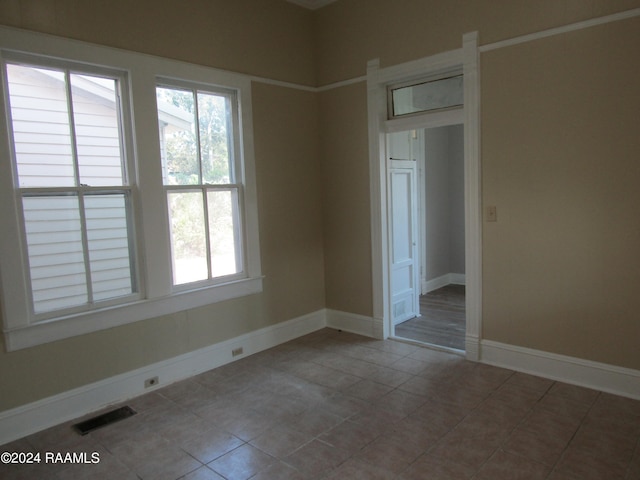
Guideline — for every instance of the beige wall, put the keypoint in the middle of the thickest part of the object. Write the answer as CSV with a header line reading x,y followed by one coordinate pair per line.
x,y
290,202
351,32
288,179
269,38
559,159
562,279
561,162
347,211
288,174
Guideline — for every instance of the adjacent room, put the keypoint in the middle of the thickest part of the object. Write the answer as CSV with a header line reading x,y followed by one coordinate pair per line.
x,y
223,239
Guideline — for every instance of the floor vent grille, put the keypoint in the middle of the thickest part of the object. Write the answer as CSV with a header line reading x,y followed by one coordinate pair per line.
x,y
103,420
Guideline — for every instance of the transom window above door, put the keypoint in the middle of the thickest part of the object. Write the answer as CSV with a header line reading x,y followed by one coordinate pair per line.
x,y
425,96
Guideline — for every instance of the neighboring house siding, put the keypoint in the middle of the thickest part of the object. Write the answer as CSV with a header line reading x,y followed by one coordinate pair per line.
x,y
44,153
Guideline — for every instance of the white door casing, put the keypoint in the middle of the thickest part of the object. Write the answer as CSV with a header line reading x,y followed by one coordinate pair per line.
x,y
466,60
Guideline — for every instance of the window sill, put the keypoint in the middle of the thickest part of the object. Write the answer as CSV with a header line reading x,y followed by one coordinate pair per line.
x,y
88,322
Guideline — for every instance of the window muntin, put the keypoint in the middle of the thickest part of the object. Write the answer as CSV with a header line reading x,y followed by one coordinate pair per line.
x,y
142,190
197,144
72,187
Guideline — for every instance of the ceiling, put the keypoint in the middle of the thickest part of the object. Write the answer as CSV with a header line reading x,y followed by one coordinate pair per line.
x,y
312,4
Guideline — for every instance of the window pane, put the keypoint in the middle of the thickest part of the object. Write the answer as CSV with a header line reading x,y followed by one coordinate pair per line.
x,y
223,232
40,120
178,143
188,241
443,93
54,244
95,112
108,241
215,145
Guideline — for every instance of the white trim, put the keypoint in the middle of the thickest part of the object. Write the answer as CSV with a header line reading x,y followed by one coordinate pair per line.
x,y
376,103
472,194
33,417
472,347
87,322
281,83
433,65
342,83
560,30
410,66
483,48
445,118
142,72
351,322
306,88
442,281
467,60
585,373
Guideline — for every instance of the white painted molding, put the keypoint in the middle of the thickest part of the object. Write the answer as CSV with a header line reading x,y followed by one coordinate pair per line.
x,y
22,327
576,371
442,281
33,417
343,83
453,116
351,322
378,79
87,322
281,83
473,185
376,114
417,64
560,30
432,65
472,348
435,283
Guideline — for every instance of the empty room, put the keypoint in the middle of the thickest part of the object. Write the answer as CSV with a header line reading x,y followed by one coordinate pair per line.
x,y
219,224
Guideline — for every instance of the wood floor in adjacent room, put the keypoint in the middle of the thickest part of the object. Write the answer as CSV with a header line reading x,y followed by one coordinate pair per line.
x,y
442,320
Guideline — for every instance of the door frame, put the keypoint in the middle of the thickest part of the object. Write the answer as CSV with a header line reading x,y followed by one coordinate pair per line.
x,y
466,60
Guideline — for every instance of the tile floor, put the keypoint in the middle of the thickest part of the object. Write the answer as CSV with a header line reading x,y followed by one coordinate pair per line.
x,y
334,405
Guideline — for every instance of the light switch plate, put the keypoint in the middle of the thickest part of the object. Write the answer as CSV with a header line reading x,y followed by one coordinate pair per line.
x,y
492,214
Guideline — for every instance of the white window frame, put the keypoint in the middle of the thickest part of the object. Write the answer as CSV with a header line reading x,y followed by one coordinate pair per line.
x,y
158,296
235,182
124,114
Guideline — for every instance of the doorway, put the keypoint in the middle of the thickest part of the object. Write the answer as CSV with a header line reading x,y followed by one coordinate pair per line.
x,y
379,80
427,235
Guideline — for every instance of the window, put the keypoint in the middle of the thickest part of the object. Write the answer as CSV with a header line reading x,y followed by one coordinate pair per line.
x,y
197,145
127,188
425,96
72,187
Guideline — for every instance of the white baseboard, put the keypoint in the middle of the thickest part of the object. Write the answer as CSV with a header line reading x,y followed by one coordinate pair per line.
x,y
576,371
351,322
33,417
444,280
472,348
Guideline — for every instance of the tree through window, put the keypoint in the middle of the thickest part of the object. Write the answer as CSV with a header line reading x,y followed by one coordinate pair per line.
x,y
197,144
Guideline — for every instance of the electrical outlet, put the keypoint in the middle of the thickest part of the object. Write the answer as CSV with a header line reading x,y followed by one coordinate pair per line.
x,y
236,351
151,382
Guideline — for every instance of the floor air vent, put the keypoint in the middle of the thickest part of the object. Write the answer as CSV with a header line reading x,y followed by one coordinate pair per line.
x,y
103,420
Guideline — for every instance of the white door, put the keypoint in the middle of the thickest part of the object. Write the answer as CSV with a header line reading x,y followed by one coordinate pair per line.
x,y
403,223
